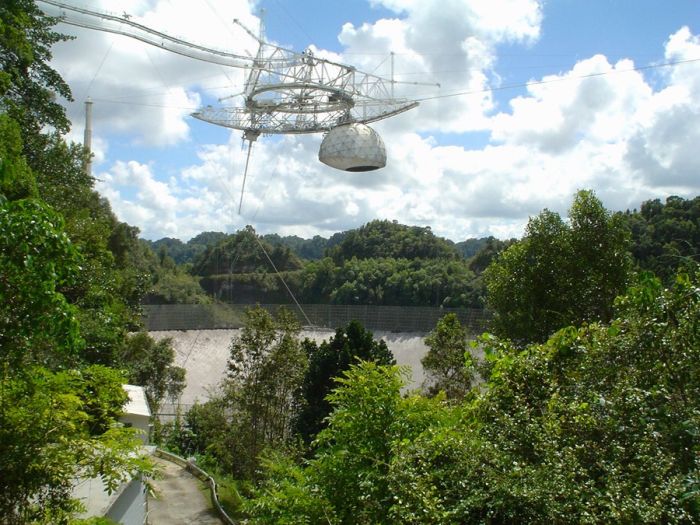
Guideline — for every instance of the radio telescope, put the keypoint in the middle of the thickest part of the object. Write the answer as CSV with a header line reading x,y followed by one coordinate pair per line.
x,y
286,92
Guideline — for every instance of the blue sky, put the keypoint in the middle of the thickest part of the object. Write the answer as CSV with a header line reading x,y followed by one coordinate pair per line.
x,y
471,165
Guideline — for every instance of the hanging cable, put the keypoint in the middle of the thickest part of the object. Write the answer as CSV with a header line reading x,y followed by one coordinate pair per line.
x,y
559,79
99,68
284,283
245,174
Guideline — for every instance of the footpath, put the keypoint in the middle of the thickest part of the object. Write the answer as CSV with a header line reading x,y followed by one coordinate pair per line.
x,y
180,498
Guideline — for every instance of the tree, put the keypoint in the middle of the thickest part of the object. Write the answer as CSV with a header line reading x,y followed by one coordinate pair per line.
x,y
266,367
62,300
241,253
37,324
57,421
149,363
448,364
28,85
599,424
16,179
666,236
346,479
559,274
386,239
327,362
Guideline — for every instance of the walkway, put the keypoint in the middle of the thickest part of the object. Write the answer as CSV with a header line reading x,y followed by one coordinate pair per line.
x,y
180,498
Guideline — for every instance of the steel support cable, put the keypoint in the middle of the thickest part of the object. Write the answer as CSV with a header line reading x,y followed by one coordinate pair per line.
x,y
99,68
284,283
189,352
262,247
560,79
245,173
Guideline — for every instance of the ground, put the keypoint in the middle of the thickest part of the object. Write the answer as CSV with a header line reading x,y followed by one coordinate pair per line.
x,y
180,499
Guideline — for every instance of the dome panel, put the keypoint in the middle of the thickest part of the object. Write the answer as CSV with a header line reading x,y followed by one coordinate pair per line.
x,y
353,147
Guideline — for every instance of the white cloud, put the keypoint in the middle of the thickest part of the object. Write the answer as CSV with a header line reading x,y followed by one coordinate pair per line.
x,y
628,135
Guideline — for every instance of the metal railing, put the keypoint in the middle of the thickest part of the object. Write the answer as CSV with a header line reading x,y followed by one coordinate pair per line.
x,y
203,476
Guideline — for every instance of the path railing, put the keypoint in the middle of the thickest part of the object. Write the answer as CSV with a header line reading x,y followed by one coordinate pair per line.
x,y
203,476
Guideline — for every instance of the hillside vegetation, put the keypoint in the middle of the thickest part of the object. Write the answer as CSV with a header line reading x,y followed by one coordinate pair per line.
x,y
72,278
584,409
387,263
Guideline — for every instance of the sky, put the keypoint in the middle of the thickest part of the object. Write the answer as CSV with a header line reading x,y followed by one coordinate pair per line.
x,y
537,100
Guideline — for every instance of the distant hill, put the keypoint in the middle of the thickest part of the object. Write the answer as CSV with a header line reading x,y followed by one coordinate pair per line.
x,y
310,249
471,246
389,239
183,253
241,253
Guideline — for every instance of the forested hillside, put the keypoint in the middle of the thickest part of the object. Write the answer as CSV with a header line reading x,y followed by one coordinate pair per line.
x,y
585,408
72,278
381,263
386,263
666,236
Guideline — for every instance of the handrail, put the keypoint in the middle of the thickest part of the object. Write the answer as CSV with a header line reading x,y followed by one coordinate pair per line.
x,y
202,475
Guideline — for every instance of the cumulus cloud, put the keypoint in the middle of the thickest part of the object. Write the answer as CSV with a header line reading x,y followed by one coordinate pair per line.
x,y
145,92
453,46
629,135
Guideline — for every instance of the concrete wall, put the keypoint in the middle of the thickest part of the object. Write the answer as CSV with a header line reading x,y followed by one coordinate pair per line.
x,y
139,422
131,507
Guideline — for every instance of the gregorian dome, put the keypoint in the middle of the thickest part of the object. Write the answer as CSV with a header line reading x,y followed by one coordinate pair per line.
x,y
353,147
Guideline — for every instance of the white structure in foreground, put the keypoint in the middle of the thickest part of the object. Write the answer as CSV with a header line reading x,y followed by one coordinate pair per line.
x,y
128,504
137,413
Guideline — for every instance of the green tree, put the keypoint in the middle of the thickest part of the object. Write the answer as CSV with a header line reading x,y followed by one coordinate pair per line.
x,y
37,325
149,363
241,253
45,444
559,274
327,362
448,363
28,85
266,368
16,179
387,239
346,480
597,425
666,236
57,422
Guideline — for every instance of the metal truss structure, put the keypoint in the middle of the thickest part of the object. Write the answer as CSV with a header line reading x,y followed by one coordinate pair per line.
x,y
286,92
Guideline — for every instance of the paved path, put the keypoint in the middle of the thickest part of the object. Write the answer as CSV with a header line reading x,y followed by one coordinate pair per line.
x,y
180,499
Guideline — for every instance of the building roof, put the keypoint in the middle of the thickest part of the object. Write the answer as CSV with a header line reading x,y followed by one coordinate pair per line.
x,y
137,404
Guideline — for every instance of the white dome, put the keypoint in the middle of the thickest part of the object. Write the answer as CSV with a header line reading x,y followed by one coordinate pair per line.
x,y
353,147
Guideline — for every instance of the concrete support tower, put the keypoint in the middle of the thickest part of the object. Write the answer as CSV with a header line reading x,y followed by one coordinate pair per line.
x,y
87,140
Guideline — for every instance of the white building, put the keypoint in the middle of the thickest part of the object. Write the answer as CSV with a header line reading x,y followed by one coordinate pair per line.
x,y
128,504
137,414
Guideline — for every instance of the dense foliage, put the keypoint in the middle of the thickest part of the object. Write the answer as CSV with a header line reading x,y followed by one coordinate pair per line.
x,y
326,363
389,239
310,249
56,417
560,273
183,253
600,424
256,405
448,364
70,288
241,253
418,270
666,236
